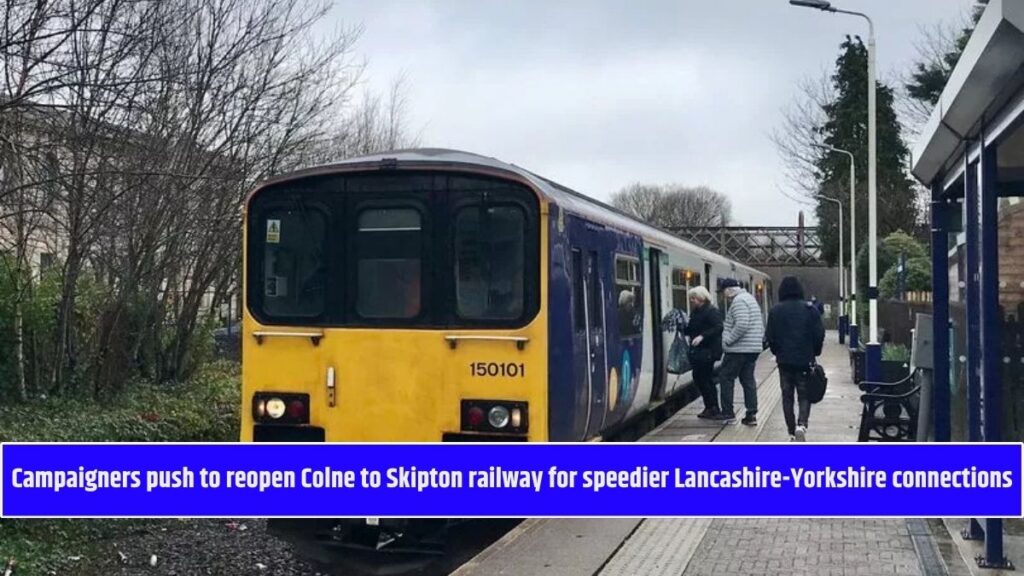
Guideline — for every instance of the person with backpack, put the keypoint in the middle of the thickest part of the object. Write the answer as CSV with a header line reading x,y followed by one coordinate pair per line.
x,y
795,335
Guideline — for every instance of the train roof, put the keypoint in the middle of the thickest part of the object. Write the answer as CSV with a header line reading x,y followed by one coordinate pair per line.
x,y
563,196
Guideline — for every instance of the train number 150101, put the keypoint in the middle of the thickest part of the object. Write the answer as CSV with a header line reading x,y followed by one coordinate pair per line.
x,y
504,369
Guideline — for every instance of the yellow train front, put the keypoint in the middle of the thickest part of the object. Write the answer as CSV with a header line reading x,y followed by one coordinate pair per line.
x,y
440,296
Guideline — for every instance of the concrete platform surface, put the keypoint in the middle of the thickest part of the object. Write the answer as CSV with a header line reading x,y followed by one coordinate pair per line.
x,y
736,547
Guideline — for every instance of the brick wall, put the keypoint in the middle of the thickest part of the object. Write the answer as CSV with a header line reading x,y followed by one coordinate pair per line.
x,y
1011,256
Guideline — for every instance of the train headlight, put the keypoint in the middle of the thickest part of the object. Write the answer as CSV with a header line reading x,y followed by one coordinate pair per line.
x,y
498,417
275,408
504,416
280,408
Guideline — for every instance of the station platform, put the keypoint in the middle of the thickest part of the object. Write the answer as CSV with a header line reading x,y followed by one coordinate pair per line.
x,y
739,547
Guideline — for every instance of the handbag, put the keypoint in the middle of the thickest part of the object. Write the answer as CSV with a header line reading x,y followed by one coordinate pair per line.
x,y
815,383
678,356
701,355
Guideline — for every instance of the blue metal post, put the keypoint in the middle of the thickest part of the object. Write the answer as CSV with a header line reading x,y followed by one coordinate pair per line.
x,y
991,320
973,371
854,335
873,361
971,271
940,314
843,321
991,325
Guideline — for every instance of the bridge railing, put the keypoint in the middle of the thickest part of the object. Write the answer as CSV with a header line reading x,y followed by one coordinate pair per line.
x,y
758,245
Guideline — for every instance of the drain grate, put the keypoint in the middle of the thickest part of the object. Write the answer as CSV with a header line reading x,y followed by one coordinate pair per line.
x,y
927,551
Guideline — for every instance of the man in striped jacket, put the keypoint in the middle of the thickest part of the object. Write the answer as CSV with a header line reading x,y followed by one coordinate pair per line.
x,y
743,340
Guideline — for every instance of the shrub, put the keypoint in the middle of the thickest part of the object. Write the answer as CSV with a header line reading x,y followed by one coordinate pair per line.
x,y
895,353
919,277
204,409
889,250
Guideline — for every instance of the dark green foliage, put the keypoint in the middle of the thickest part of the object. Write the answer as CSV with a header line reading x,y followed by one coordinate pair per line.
x,y
889,250
847,128
919,278
118,340
895,353
930,75
204,409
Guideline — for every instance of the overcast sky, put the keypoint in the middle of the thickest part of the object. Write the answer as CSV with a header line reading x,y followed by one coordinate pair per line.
x,y
596,94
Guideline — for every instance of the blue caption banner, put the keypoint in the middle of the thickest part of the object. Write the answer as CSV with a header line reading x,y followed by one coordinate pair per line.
x,y
518,480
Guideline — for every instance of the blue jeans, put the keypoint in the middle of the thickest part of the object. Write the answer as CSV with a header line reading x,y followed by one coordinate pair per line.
x,y
741,365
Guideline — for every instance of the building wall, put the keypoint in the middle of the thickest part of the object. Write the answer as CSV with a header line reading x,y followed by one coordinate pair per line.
x,y
1011,257
817,280
1011,260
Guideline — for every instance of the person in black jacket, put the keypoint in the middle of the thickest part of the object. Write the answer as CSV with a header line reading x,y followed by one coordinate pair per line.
x,y
795,335
705,332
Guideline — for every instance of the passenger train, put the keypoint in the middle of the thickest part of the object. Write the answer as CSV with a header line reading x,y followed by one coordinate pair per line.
x,y
437,295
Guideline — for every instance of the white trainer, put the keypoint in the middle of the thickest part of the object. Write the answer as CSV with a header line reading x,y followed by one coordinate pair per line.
x,y
801,434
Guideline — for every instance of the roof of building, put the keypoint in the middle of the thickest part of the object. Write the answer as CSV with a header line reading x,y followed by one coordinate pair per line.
x,y
987,69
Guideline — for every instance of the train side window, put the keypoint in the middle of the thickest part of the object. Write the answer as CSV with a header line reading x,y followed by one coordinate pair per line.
x,y
679,288
388,262
682,280
579,311
294,266
629,293
489,262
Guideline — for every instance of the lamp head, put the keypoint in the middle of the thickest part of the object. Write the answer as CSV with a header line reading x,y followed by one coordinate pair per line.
x,y
818,4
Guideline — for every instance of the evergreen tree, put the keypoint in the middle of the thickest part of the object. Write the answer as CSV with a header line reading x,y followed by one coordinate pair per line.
x,y
931,73
846,127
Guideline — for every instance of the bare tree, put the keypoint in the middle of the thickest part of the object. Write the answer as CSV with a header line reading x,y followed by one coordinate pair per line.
x,y
640,200
674,205
798,136
131,131
260,97
377,123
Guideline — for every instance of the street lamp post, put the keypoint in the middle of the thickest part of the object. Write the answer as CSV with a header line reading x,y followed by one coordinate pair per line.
x,y
842,291
851,321
873,353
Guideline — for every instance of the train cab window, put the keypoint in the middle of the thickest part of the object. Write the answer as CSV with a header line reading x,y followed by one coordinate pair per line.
x,y
294,270
629,293
388,262
489,262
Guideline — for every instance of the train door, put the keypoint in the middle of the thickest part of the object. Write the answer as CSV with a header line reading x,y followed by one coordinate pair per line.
x,y
597,357
580,345
588,340
658,339
589,328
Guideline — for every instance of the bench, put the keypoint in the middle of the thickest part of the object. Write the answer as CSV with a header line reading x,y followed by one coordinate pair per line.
x,y
890,410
